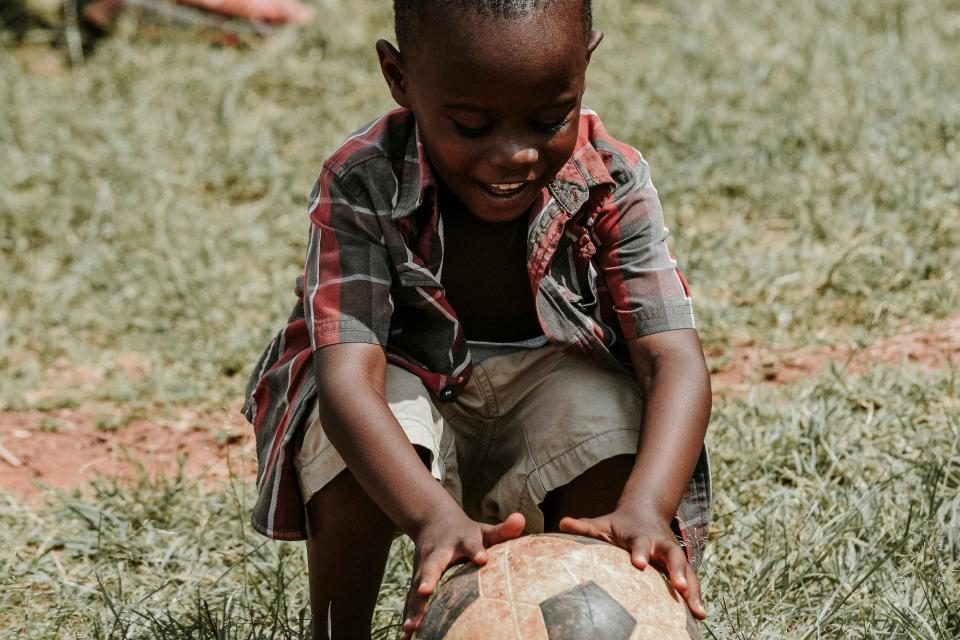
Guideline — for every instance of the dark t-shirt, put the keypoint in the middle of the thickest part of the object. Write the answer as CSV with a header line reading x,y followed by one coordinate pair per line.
x,y
485,275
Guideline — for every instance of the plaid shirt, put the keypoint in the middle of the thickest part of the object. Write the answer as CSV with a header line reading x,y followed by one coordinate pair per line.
x,y
597,260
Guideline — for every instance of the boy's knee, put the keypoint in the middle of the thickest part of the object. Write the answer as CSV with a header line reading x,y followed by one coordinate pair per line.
x,y
344,504
593,493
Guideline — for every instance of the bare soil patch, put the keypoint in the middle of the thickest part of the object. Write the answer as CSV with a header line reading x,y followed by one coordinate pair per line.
x,y
68,448
930,348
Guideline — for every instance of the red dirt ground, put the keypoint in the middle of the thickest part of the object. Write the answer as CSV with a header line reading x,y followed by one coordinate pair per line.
x,y
218,445
931,348
214,446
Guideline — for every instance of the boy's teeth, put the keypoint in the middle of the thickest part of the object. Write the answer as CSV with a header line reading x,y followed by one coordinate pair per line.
x,y
510,186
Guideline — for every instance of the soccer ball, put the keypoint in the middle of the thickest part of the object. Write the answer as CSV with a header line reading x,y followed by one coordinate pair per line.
x,y
557,587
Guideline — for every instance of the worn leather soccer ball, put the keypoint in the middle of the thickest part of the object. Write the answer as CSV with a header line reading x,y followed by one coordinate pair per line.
x,y
557,587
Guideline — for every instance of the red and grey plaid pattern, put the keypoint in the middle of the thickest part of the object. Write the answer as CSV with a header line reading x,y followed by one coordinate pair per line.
x,y
597,259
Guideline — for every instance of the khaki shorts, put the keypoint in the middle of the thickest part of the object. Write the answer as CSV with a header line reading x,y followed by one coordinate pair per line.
x,y
526,423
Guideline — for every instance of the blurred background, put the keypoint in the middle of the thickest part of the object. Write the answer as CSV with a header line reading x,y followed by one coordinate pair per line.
x,y
155,160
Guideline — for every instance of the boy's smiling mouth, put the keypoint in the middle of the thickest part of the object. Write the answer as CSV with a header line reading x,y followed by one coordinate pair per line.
x,y
505,189
507,197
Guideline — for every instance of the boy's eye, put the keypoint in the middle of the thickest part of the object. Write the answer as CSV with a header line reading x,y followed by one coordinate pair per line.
x,y
471,132
551,127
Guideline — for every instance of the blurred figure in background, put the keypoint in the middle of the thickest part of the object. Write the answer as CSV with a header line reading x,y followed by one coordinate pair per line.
x,y
102,13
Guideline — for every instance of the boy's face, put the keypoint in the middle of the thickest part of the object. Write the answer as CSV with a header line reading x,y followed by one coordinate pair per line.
x,y
497,101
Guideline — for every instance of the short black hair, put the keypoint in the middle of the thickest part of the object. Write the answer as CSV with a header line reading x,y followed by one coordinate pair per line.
x,y
407,12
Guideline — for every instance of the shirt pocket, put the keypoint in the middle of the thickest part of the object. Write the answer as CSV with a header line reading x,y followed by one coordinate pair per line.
x,y
410,269
413,274
576,278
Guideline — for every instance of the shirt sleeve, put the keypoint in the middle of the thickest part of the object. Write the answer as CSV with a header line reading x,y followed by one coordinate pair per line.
x,y
648,292
347,277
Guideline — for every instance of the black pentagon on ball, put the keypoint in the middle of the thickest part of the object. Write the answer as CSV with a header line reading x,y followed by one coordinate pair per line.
x,y
586,611
456,595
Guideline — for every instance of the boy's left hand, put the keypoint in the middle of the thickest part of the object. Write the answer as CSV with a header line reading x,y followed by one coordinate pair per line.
x,y
649,541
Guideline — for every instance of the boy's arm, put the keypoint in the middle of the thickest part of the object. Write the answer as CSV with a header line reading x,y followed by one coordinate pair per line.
x,y
675,384
356,418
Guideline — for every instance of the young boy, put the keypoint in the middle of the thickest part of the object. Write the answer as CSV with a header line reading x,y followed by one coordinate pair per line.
x,y
500,342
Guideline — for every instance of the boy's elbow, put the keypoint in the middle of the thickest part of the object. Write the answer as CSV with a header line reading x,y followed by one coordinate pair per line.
x,y
649,354
674,360
349,368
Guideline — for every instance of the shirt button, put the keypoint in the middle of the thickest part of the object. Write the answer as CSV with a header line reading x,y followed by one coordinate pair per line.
x,y
448,394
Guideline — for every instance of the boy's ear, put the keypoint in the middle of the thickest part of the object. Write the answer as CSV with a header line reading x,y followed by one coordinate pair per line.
x,y
391,66
593,42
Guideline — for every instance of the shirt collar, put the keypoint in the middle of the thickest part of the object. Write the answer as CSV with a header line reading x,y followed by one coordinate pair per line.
x,y
585,170
417,179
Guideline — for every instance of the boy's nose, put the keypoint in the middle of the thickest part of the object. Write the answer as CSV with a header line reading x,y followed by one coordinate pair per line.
x,y
515,156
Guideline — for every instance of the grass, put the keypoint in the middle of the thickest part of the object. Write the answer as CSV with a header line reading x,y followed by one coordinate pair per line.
x,y
808,157
839,508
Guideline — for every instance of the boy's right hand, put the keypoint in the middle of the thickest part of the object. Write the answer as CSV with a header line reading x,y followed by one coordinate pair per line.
x,y
448,539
